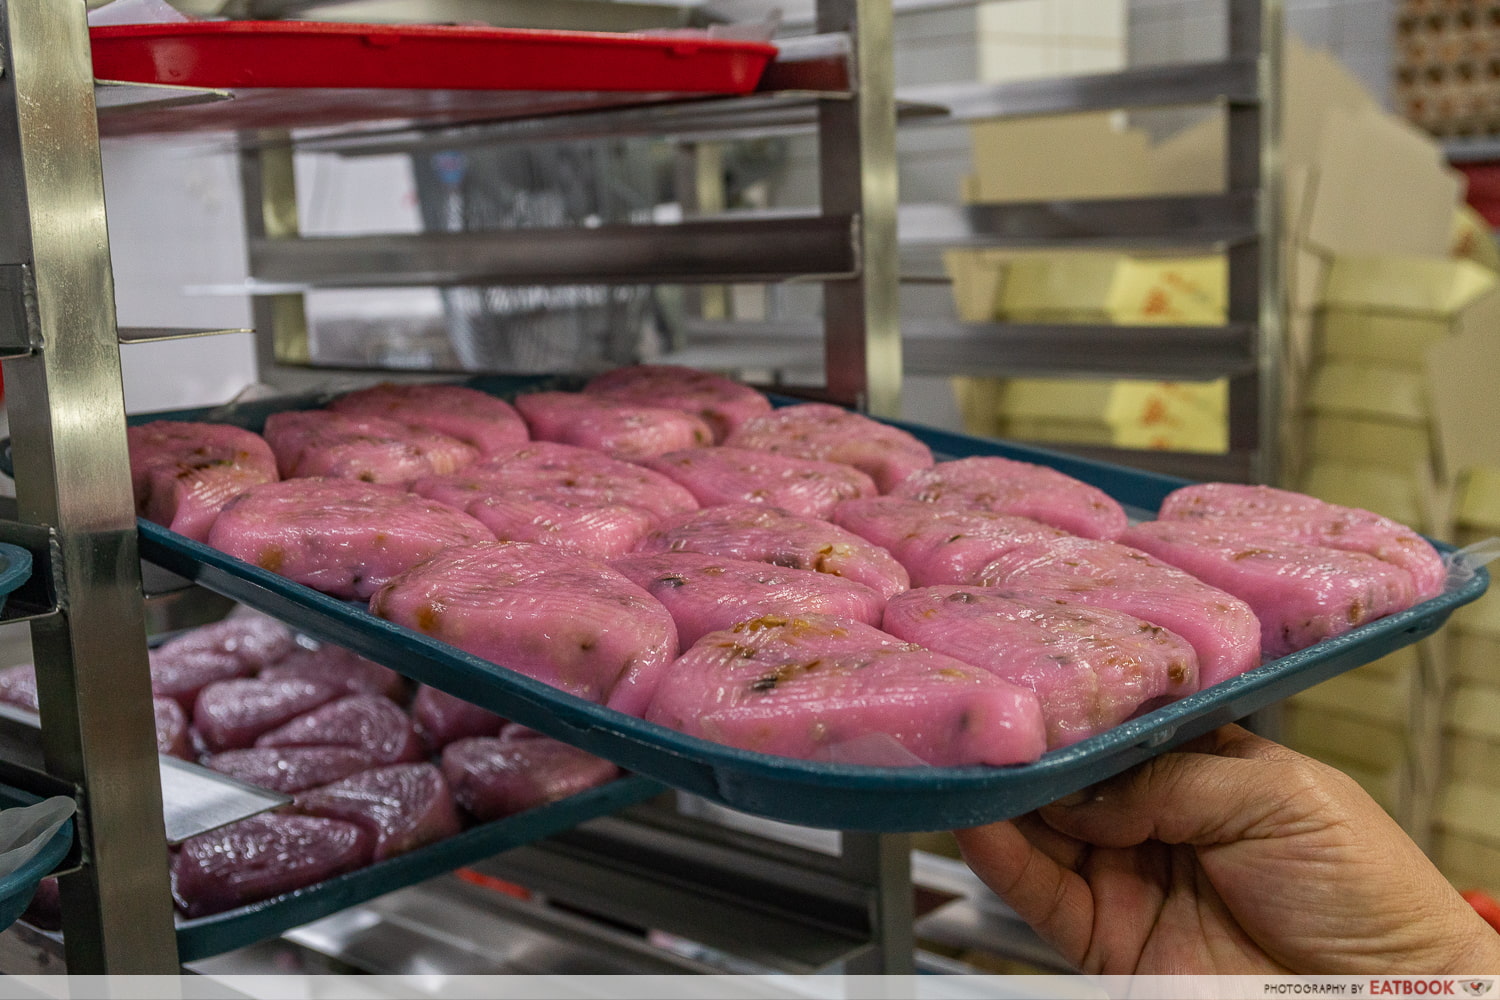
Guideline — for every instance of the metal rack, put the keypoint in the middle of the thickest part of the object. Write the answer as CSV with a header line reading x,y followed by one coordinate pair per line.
x,y
57,328
74,501
1243,222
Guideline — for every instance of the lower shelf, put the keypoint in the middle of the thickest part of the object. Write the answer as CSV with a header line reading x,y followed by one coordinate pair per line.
x,y
213,935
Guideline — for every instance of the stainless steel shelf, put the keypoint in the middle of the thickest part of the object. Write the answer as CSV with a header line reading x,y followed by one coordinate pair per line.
x,y
808,72
1232,466
774,249
1232,81
733,248
1187,353
781,907
1182,221
152,334
578,15
113,98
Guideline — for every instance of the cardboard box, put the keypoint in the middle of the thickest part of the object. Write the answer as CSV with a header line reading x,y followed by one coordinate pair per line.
x,y
1480,618
1353,335
1469,810
1329,735
1468,862
1471,760
1396,446
1478,500
1037,159
1461,373
977,276
1405,284
1474,710
1381,187
1375,698
1367,391
1394,494
1476,655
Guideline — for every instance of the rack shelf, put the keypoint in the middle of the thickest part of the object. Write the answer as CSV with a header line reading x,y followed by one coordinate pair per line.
x,y
70,453
1179,222
933,347
1232,81
709,250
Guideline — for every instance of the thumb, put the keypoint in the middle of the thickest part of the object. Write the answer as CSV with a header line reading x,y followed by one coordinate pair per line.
x,y
1233,786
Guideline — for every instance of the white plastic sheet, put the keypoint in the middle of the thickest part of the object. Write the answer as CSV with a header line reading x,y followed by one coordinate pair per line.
x,y
25,830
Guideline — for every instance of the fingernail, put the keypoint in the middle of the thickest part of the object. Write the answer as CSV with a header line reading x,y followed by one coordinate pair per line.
x,y
1077,798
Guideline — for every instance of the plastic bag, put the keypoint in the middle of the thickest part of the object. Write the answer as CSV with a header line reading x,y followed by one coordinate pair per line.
x,y
25,830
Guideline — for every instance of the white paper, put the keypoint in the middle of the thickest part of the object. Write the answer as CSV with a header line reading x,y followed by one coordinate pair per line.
x,y
25,830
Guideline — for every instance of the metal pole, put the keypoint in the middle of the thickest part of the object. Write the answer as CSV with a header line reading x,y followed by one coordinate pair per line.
x,y
857,176
882,863
1256,293
66,405
269,187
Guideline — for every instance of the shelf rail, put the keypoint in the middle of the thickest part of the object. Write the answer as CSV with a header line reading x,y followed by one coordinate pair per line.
x,y
66,404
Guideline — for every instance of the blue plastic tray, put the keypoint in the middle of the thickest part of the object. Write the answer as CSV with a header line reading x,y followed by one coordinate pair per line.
x,y
17,888
15,567
837,796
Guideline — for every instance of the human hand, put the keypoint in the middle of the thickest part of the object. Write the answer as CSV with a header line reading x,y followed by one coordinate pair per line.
x,y
1231,855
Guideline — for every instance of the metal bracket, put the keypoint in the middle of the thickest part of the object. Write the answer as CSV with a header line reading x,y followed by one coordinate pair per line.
x,y
37,597
20,324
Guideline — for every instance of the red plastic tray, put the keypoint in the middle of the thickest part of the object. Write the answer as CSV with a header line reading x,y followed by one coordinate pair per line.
x,y
300,54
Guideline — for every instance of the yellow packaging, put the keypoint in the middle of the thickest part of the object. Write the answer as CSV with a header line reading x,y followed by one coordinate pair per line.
x,y
1112,288
1175,416
1055,398
1037,409
1077,282
977,276
1474,238
1170,291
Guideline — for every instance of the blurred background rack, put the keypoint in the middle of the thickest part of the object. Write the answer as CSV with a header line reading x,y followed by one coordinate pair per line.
x,y
835,82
